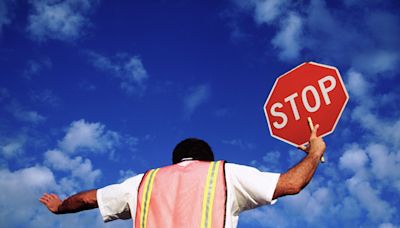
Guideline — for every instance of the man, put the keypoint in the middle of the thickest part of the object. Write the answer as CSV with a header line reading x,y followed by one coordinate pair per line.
x,y
195,191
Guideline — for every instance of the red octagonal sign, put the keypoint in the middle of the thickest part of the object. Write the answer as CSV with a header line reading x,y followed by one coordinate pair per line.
x,y
309,90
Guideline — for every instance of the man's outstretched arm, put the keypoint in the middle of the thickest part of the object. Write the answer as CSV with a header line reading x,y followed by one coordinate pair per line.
x,y
296,178
79,202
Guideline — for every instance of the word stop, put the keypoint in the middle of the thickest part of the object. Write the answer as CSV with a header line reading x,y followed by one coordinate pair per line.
x,y
291,99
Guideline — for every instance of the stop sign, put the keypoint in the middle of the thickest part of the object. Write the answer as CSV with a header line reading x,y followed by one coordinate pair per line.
x,y
309,90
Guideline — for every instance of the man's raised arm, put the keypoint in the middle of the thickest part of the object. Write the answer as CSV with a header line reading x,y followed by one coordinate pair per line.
x,y
79,202
296,178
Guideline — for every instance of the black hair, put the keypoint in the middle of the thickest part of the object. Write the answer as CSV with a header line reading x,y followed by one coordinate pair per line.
x,y
194,148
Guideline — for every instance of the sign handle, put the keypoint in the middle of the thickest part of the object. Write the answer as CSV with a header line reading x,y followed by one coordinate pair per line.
x,y
311,125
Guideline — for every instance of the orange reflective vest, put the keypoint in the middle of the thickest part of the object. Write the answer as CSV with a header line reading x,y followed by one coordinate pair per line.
x,y
183,196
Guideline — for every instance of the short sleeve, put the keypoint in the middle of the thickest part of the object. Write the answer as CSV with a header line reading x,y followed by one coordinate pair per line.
x,y
118,201
250,187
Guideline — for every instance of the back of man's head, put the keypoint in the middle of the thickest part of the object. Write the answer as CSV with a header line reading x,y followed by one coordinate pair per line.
x,y
192,148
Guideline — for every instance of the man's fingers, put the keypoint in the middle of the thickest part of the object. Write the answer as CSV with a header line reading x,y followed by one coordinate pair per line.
x,y
314,132
47,197
44,201
55,196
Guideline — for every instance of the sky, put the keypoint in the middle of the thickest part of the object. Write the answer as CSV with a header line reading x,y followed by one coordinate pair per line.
x,y
93,92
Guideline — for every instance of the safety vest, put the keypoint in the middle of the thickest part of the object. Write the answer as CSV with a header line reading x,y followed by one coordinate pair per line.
x,y
183,196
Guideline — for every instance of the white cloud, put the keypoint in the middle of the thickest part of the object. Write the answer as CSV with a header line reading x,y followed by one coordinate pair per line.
x,y
20,192
376,60
331,34
128,69
309,205
385,164
82,135
58,161
268,10
12,149
307,209
125,174
357,85
365,114
59,20
349,210
359,43
263,217
60,173
288,39
362,186
135,70
387,225
20,206
378,209
196,97
353,159
270,162
5,15
272,157
81,171
24,115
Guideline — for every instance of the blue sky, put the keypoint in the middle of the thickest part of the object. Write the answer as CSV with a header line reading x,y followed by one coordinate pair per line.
x,y
92,92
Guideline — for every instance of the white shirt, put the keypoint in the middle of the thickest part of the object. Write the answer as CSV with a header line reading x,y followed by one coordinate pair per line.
x,y
247,188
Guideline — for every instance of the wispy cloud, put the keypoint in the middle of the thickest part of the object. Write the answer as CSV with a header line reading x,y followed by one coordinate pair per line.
x,y
287,40
4,94
45,97
356,84
196,96
59,20
35,67
239,143
268,11
331,34
5,15
129,69
125,174
361,185
271,162
22,114
12,147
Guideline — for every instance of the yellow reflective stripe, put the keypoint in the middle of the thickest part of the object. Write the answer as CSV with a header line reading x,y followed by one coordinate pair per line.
x,y
206,188
211,202
209,194
146,196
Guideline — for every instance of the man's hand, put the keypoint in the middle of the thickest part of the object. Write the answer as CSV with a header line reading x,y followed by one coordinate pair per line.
x,y
316,145
51,201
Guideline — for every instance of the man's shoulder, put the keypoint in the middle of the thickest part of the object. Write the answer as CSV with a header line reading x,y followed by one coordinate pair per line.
x,y
243,170
234,166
